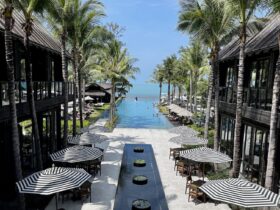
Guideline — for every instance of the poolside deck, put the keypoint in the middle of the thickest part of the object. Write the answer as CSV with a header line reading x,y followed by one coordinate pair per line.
x,y
104,186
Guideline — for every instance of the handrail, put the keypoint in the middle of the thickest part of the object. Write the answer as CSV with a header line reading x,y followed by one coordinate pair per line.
x,y
42,90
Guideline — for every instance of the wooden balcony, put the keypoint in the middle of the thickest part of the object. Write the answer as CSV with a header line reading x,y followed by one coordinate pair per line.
x,y
47,95
256,103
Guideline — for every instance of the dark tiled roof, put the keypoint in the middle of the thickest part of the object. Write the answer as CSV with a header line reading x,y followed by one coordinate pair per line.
x,y
264,40
40,36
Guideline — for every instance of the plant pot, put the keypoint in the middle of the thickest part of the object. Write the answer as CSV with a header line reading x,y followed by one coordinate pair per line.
x,y
141,204
139,163
140,180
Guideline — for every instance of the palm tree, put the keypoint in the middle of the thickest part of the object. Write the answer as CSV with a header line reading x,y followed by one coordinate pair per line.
x,y
209,21
59,16
114,62
245,11
194,59
7,16
158,77
87,16
28,7
169,66
271,157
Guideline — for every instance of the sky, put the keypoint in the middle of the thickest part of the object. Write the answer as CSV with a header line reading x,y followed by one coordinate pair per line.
x,y
150,31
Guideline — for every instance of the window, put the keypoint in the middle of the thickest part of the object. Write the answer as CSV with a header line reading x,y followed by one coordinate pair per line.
x,y
255,147
227,134
253,75
230,77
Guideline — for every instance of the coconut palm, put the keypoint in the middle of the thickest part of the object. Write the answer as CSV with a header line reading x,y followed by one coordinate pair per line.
x,y
80,31
244,9
114,62
7,16
158,77
169,65
271,157
28,7
59,16
209,21
194,59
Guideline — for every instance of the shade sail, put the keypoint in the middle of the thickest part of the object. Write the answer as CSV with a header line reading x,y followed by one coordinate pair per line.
x,y
240,192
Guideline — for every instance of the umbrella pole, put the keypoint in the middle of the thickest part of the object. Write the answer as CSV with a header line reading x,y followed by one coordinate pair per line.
x,y
203,166
56,205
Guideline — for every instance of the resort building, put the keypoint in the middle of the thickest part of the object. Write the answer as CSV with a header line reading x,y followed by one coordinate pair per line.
x,y
262,52
48,82
100,92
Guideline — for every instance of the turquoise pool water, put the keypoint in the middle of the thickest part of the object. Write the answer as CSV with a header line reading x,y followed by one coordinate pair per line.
x,y
141,114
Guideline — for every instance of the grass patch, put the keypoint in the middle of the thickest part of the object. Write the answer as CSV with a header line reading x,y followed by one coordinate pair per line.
x,y
163,109
224,174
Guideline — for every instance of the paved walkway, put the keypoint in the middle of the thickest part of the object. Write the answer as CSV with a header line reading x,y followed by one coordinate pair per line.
x,y
104,186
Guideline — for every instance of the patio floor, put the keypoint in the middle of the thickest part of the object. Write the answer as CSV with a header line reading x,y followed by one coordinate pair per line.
x,y
104,186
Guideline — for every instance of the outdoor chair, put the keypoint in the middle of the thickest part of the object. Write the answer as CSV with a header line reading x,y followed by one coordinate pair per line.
x,y
181,168
173,150
195,193
67,194
85,191
95,167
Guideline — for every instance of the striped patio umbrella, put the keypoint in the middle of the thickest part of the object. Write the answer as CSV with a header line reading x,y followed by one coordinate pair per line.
x,y
76,154
183,130
205,155
188,140
53,180
240,192
88,138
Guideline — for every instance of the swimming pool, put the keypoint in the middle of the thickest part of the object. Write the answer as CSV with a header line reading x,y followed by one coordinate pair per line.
x,y
141,114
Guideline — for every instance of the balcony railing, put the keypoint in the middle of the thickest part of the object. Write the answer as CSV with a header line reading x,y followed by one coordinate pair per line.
x,y
260,98
42,90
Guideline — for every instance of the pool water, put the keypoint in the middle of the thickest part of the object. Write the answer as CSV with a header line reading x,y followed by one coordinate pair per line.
x,y
142,113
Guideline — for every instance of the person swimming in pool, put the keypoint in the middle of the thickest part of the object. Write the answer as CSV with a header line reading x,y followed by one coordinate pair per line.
x,y
136,98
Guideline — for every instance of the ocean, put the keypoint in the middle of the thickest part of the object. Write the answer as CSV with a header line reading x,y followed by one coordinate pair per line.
x,y
147,90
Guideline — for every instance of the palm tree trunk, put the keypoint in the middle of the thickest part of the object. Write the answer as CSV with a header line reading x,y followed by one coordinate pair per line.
x,y
168,92
8,20
195,98
80,98
31,102
191,91
65,88
217,93
270,169
75,92
239,101
112,102
209,99
179,93
160,91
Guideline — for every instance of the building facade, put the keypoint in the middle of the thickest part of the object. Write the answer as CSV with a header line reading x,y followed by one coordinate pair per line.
x,y
48,83
262,52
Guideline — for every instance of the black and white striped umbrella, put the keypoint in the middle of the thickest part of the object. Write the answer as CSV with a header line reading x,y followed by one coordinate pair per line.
x,y
183,130
73,139
205,155
76,154
53,180
240,192
88,138
188,140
